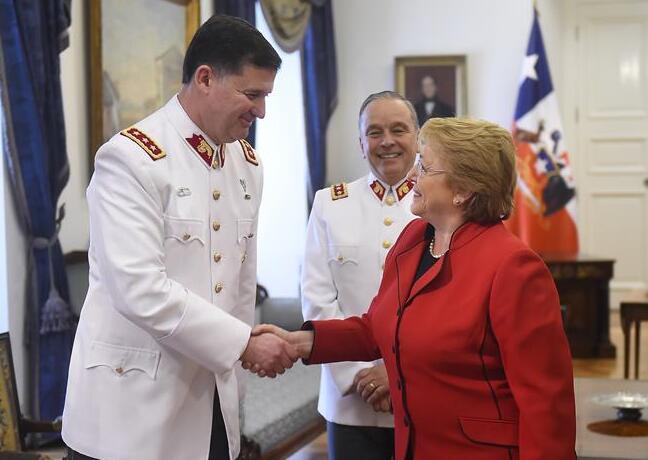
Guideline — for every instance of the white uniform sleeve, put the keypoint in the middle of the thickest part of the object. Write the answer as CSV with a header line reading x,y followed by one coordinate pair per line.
x,y
126,213
319,292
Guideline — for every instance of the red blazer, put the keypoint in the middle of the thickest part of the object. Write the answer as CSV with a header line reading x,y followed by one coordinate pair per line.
x,y
479,366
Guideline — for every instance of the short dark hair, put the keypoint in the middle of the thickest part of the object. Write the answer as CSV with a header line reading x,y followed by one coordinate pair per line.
x,y
389,95
226,44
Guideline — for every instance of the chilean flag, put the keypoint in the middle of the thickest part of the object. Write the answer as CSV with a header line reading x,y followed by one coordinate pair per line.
x,y
545,198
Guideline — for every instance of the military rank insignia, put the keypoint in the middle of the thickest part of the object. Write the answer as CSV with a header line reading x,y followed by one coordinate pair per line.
x,y
404,189
378,189
339,191
145,142
202,148
248,152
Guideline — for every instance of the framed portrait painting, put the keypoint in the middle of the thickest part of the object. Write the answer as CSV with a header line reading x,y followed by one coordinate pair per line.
x,y
136,54
436,85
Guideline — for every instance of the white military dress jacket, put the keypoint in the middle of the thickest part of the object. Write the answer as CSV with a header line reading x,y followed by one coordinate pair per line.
x,y
350,231
172,286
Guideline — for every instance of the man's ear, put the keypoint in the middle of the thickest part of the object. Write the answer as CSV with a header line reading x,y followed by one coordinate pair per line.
x,y
203,77
362,150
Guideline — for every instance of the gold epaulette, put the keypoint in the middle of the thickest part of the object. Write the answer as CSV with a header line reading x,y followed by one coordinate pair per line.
x,y
145,142
248,151
339,191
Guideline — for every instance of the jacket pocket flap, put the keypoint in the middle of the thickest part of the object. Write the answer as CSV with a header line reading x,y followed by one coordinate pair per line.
x,y
343,253
123,359
244,230
184,230
490,431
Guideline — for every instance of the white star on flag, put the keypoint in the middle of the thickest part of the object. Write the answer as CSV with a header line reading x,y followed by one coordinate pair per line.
x,y
541,166
528,68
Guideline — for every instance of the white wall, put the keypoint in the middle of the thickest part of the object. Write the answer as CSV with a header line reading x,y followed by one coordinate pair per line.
x,y
492,34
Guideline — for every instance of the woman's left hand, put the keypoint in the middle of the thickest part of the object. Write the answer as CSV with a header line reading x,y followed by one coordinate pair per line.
x,y
373,386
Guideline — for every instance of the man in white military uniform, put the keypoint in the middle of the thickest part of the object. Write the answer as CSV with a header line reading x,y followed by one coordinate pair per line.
x,y
173,207
350,231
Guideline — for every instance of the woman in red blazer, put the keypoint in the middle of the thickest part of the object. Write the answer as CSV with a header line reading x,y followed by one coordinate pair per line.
x,y
467,317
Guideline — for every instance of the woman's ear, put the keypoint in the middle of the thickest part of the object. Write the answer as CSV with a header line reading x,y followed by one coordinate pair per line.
x,y
460,198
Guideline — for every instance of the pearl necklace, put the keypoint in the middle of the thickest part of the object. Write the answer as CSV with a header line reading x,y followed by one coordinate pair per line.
x,y
431,249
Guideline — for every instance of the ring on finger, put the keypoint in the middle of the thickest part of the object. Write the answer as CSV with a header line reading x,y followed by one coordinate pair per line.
x,y
372,385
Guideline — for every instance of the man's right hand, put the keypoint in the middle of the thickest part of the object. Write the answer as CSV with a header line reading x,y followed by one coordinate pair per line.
x,y
269,354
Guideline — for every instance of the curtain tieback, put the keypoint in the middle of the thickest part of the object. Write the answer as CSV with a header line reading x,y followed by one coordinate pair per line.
x,y
56,315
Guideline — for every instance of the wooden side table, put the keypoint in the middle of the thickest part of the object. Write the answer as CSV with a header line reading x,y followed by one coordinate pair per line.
x,y
634,310
583,284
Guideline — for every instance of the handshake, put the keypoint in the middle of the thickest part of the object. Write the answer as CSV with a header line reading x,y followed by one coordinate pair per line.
x,y
271,350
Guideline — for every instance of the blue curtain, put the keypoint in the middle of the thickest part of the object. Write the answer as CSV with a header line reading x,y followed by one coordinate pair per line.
x,y
32,34
319,77
243,9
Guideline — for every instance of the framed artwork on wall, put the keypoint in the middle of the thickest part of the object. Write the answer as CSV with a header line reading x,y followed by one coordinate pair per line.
x,y
136,53
436,85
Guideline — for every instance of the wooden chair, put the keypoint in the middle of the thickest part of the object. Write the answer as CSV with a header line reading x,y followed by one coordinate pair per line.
x,y
633,311
13,426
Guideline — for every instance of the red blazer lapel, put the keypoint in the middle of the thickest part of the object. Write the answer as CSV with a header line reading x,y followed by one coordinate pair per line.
x,y
427,277
406,264
408,259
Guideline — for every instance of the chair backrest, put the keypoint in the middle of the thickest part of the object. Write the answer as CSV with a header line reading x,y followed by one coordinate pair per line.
x,y
11,438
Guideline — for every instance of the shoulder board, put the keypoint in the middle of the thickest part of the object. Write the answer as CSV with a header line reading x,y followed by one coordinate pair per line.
x,y
145,142
248,151
339,191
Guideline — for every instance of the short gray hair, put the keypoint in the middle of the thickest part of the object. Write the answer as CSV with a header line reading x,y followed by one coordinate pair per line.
x,y
389,95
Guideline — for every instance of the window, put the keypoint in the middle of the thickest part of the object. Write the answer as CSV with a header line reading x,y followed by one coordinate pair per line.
x,y
281,143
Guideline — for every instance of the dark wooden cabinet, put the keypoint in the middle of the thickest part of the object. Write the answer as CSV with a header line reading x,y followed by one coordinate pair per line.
x,y
583,284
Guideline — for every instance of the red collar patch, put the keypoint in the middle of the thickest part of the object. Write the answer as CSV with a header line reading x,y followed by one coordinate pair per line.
x,y
404,189
202,148
378,189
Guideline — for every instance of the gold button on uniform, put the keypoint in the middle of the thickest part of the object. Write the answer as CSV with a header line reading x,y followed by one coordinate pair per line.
x,y
390,200
216,226
218,287
217,257
340,258
386,244
388,221
119,370
186,236
216,194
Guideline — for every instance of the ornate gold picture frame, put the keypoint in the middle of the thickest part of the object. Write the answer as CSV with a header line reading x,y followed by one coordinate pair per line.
x,y
136,54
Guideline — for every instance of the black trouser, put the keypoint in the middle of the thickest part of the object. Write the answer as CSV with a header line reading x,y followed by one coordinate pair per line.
x,y
346,442
218,446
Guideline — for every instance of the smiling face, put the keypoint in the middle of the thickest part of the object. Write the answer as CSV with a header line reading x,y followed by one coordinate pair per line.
x,y
388,139
230,103
432,195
